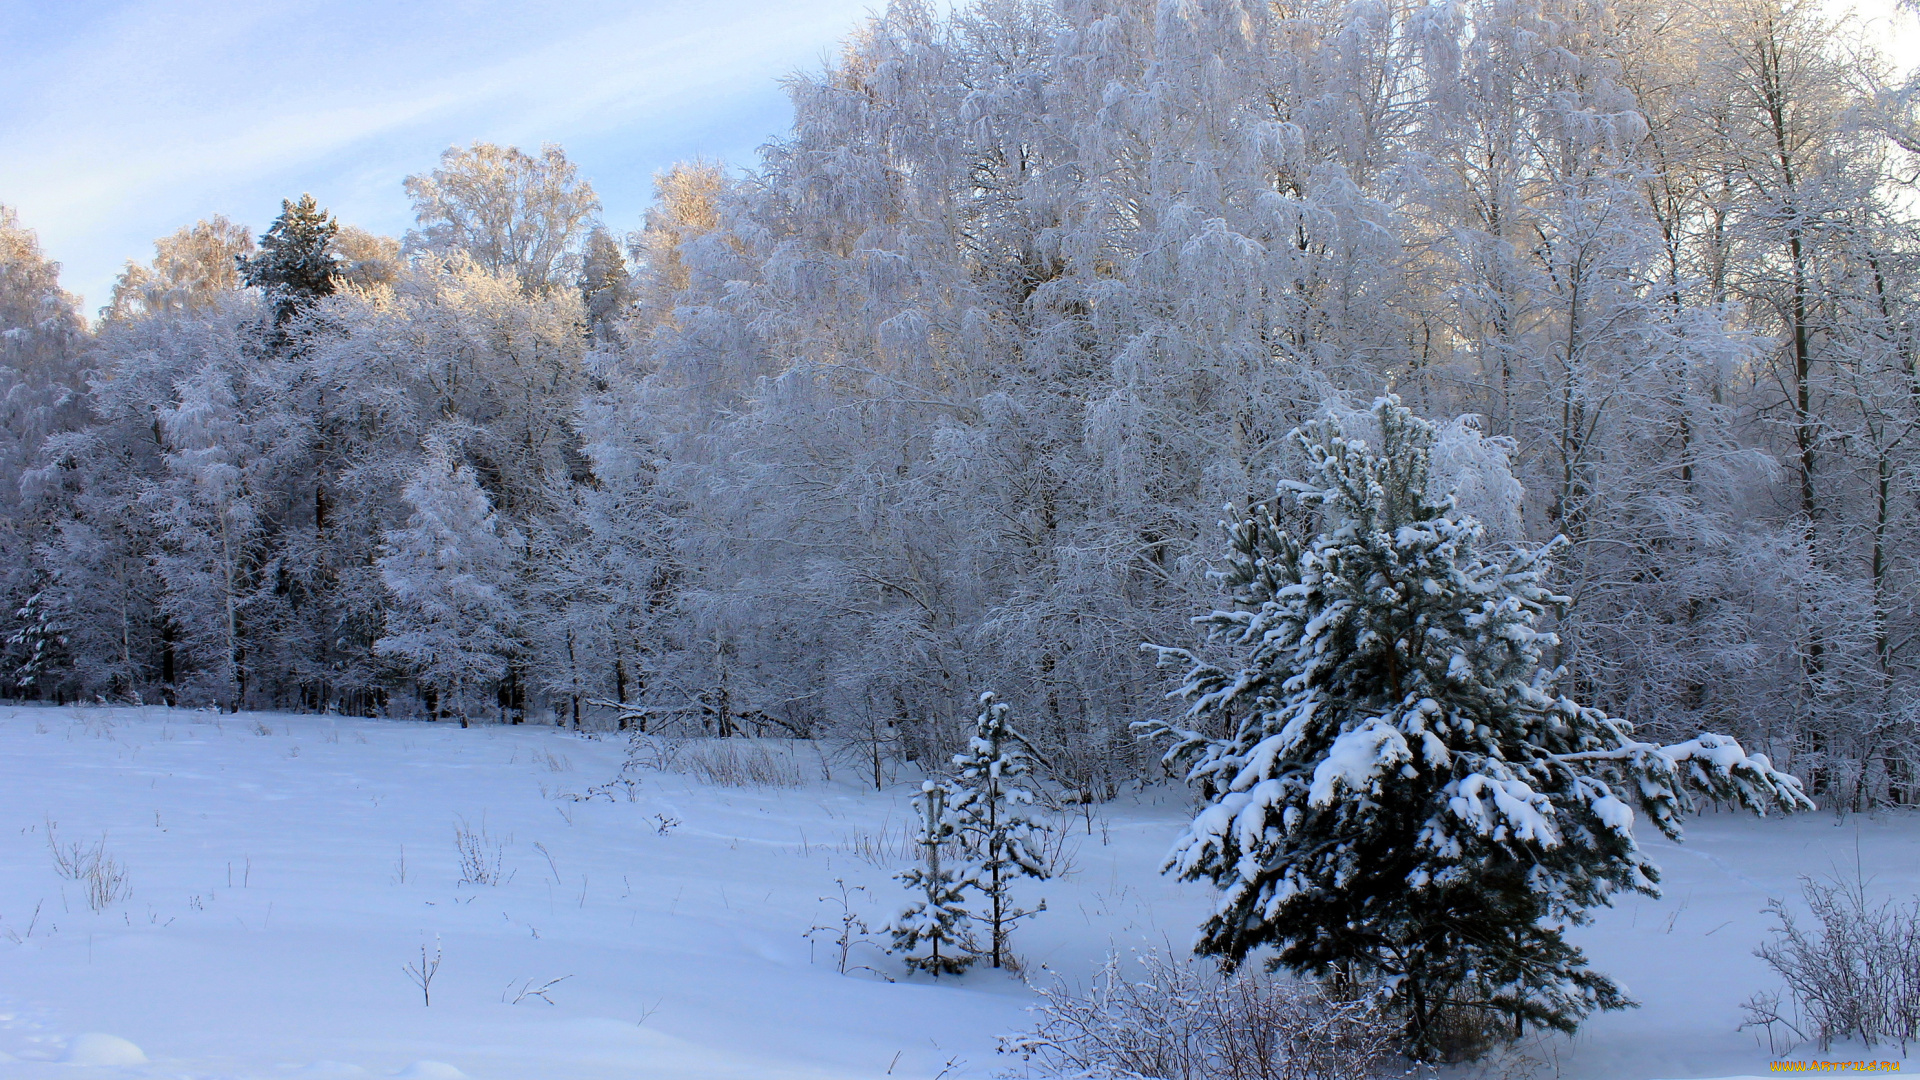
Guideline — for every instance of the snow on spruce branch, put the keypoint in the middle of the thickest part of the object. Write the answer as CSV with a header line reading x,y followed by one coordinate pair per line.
x,y
1396,763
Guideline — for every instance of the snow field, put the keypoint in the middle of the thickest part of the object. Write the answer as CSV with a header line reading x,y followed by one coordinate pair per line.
x,y
1688,957
279,872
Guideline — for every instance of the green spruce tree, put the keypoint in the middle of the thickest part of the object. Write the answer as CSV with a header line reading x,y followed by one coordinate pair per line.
x,y
933,928
993,817
1402,796
38,649
296,264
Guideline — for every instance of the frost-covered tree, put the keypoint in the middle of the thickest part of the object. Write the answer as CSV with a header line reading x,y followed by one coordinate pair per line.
x,y
685,208
453,623
994,821
509,211
43,394
207,515
155,532
190,269
40,643
1396,790
605,289
609,579
40,322
934,929
366,261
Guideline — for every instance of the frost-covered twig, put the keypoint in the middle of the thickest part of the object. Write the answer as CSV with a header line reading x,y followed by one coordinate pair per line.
x,y
21,939
849,929
527,990
422,973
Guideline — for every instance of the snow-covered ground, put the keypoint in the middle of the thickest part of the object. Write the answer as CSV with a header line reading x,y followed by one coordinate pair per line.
x,y
281,871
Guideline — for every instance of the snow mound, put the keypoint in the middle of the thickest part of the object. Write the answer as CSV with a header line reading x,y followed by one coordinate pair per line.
x,y
94,1048
430,1070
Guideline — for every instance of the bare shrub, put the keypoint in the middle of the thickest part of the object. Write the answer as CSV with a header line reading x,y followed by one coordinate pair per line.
x,y
70,859
885,847
661,753
720,762
1059,849
1469,1033
1854,973
1182,1020
104,877
740,763
481,855
846,930
106,882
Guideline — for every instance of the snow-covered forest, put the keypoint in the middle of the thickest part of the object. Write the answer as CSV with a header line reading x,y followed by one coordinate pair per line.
x,y
1553,367
947,391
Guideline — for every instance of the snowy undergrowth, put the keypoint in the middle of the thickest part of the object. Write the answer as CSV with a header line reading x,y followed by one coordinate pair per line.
x,y
279,872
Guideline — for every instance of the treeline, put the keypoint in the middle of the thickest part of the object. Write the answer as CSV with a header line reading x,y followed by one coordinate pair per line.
x,y
949,391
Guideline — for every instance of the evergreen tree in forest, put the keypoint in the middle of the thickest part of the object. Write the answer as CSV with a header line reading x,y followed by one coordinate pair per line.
x,y
992,818
296,265
604,288
1402,795
39,649
936,918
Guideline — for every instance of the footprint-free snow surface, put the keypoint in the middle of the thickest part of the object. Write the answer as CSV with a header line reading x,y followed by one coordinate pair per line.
x,y
263,882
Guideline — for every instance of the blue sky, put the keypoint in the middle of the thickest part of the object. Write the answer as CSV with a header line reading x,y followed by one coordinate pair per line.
x,y
123,121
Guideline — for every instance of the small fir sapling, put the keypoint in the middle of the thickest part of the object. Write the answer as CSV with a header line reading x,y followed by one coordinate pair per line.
x,y
993,822
936,919
1402,795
